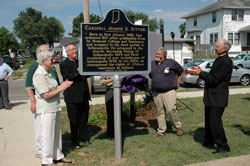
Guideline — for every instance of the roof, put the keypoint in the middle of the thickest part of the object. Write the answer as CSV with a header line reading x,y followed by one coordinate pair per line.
x,y
220,4
68,40
195,29
245,29
183,40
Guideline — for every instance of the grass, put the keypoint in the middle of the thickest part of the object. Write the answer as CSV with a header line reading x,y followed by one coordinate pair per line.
x,y
140,148
28,63
17,75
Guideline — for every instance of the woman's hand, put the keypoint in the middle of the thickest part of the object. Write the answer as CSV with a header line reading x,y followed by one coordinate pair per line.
x,y
65,85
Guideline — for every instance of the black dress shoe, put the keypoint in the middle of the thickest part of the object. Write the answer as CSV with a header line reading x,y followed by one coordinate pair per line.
x,y
76,145
220,150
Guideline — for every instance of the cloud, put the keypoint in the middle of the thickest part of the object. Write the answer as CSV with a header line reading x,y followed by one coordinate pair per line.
x,y
174,16
53,6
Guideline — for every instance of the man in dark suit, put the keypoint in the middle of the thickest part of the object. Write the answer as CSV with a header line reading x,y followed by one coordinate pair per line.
x,y
216,96
76,97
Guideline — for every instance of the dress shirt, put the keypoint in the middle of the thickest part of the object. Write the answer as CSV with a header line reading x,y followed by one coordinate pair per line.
x,y
5,70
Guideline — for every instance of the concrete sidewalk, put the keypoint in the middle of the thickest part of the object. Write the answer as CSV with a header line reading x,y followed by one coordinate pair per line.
x,y
17,134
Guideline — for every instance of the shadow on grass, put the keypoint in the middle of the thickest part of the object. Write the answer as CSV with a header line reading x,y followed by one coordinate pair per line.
x,y
66,144
244,129
198,134
154,125
66,138
247,98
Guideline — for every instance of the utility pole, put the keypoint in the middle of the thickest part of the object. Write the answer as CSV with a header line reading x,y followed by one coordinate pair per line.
x,y
162,30
173,35
86,11
86,20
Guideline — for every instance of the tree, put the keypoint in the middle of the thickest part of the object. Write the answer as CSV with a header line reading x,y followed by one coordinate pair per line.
x,y
132,16
182,29
52,29
32,29
7,41
76,31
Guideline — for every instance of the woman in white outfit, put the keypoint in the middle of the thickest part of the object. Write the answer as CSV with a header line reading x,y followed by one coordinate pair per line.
x,y
48,104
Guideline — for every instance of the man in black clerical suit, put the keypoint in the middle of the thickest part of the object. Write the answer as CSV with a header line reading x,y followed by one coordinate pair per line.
x,y
77,97
216,96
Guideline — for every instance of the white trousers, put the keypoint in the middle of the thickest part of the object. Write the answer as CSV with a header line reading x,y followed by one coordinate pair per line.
x,y
37,129
51,137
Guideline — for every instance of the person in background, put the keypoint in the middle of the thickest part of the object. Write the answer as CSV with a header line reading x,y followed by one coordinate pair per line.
x,y
166,76
48,105
216,94
31,93
76,97
5,73
109,101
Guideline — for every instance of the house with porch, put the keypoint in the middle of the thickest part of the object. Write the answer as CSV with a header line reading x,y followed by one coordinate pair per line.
x,y
229,19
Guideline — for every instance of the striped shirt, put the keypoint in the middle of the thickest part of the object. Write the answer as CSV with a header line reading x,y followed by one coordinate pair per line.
x,y
44,82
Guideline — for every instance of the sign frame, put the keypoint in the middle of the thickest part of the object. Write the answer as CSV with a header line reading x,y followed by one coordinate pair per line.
x,y
127,72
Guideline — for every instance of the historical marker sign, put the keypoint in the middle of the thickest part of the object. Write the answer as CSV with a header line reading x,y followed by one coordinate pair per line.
x,y
114,46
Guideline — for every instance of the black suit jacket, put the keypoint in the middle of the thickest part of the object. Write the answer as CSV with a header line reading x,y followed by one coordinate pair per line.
x,y
217,81
79,89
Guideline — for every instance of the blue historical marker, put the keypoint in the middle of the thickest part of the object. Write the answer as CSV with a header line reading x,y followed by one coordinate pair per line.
x,y
114,46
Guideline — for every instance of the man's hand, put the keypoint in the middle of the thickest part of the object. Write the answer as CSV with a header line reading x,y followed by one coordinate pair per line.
x,y
195,70
33,108
107,81
6,78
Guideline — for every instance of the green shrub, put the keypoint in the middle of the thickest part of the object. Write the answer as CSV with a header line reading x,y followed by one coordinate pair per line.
x,y
99,116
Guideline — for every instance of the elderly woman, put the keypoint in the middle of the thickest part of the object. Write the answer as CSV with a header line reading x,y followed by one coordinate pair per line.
x,y
48,104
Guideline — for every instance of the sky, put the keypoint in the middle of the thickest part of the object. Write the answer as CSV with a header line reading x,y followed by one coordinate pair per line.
x,y
65,10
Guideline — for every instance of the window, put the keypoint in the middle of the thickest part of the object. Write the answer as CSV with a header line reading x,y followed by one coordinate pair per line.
x,y
247,57
237,15
234,15
230,37
192,37
215,37
211,39
195,21
240,15
236,38
214,17
248,39
198,40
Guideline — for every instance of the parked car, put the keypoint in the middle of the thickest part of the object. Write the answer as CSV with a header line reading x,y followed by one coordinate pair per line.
x,y
96,84
57,59
239,75
12,62
242,60
22,60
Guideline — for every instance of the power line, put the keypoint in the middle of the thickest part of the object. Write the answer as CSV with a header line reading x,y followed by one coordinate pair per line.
x,y
100,7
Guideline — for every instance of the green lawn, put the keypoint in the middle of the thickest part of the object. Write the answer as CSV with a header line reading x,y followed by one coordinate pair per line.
x,y
140,148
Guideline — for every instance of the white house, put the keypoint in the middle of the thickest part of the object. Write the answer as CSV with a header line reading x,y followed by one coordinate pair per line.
x,y
229,19
179,49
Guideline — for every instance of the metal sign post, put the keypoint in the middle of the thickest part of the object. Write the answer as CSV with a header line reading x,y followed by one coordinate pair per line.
x,y
114,47
117,116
